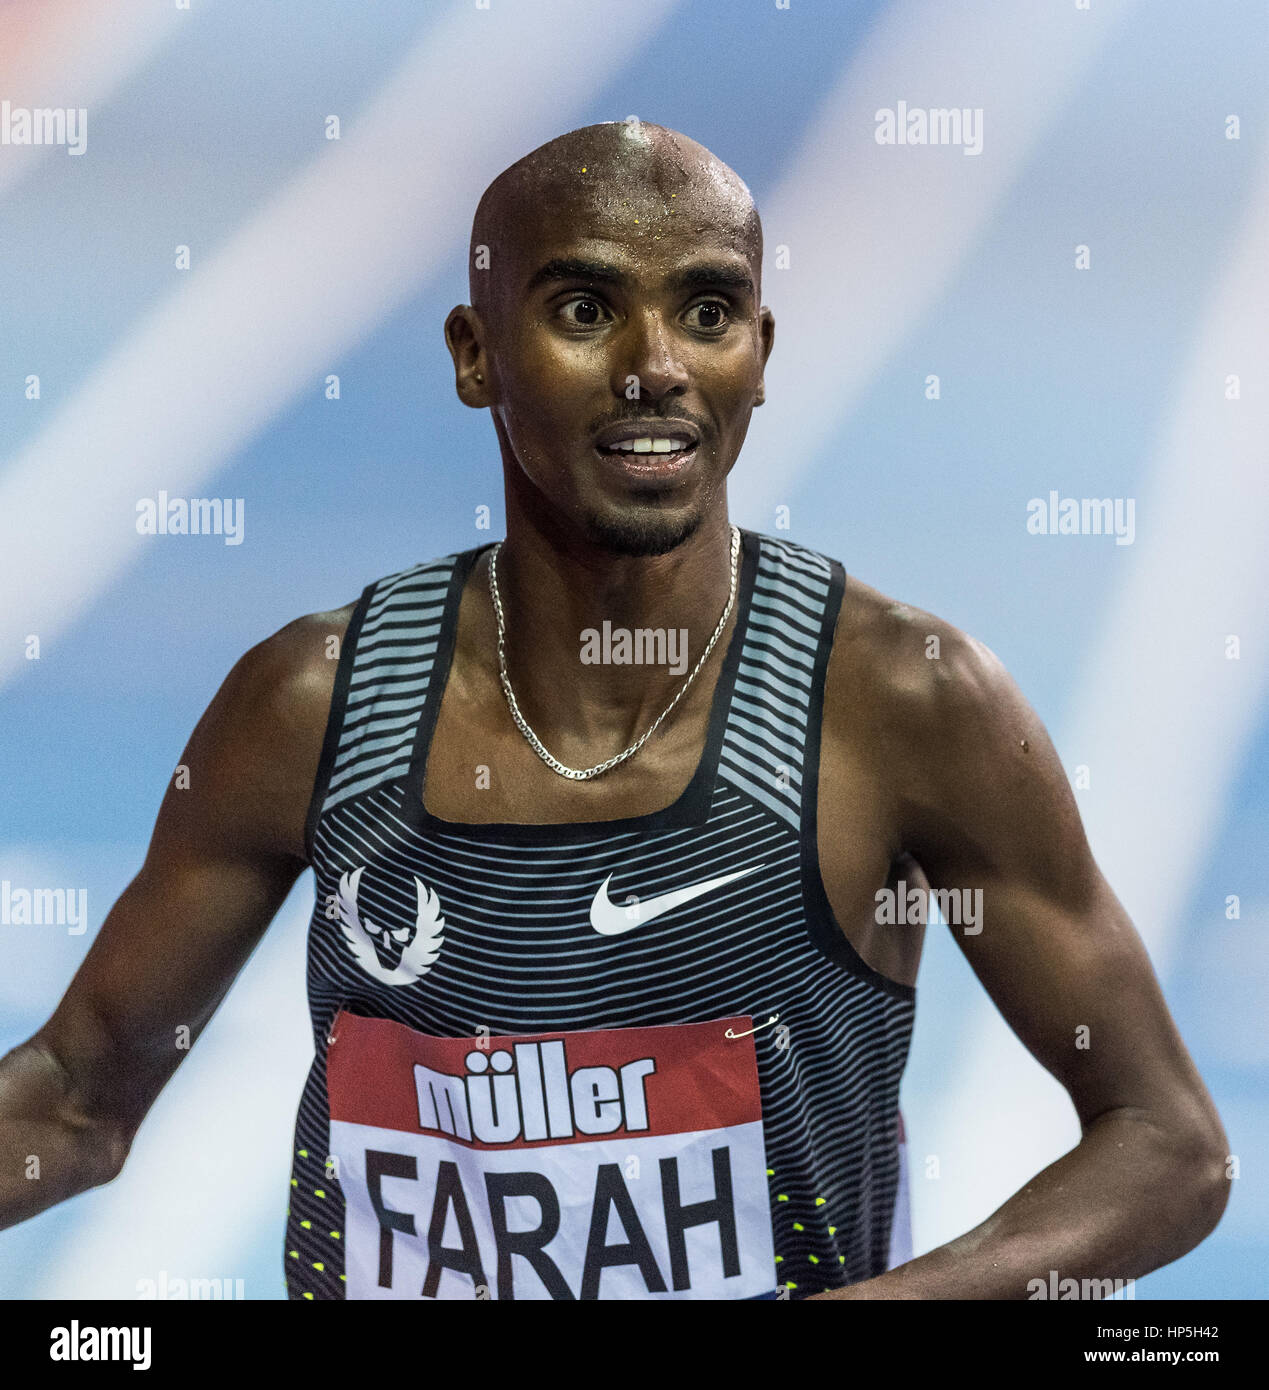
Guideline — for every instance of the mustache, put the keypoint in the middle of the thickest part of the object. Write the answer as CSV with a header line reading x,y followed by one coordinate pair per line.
x,y
642,417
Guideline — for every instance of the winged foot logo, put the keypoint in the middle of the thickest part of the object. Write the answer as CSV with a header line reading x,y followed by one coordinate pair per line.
x,y
418,952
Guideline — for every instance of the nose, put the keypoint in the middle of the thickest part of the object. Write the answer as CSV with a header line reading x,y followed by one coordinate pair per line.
x,y
650,356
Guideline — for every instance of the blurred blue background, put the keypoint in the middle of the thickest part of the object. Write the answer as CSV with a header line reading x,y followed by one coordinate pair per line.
x,y
1142,376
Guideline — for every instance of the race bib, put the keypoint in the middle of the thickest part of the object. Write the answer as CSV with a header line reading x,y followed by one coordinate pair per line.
x,y
619,1163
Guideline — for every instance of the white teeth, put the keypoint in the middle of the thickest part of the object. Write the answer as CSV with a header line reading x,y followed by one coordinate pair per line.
x,y
647,445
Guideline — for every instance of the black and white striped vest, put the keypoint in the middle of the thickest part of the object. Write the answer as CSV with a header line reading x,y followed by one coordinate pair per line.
x,y
545,1066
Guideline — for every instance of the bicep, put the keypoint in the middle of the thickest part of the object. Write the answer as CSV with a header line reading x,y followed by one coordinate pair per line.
x,y
224,855
1054,948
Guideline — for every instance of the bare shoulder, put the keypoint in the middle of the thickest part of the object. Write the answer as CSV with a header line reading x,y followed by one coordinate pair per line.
x,y
941,725
252,760
914,675
283,685
292,673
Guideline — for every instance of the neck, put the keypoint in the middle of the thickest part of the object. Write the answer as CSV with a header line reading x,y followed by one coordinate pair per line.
x,y
599,643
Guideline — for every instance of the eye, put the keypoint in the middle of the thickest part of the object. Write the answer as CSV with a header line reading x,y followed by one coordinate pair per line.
x,y
711,315
583,312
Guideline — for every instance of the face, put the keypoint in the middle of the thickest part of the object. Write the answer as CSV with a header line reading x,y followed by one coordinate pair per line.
x,y
623,355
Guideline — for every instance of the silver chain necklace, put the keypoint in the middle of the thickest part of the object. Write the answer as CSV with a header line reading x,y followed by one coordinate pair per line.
x,y
582,774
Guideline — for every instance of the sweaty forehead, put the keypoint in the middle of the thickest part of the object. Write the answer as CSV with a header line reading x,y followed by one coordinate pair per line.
x,y
643,188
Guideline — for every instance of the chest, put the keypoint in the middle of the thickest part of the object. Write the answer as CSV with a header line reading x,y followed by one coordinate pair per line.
x,y
481,769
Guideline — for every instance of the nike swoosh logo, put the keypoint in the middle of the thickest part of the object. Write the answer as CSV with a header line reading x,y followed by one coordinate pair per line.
x,y
609,919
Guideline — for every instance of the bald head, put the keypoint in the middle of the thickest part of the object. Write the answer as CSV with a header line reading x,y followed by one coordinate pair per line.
x,y
641,179
615,286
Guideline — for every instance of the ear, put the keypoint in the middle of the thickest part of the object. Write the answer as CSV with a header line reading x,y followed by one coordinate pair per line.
x,y
766,332
465,338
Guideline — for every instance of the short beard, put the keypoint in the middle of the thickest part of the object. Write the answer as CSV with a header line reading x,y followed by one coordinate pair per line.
x,y
647,533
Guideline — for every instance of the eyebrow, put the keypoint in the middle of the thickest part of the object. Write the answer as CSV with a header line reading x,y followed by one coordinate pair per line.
x,y
705,276
568,268
693,277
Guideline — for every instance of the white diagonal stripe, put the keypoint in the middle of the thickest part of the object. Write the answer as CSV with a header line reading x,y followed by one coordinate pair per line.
x,y
354,235
876,232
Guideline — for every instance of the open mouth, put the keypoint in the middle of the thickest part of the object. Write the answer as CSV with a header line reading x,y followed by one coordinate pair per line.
x,y
662,446
650,462
649,454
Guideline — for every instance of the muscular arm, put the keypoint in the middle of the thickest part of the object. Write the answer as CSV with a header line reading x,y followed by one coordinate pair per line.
x,y
225,853
981,801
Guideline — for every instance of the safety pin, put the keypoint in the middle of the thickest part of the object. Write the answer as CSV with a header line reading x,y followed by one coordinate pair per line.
x,y
775,1018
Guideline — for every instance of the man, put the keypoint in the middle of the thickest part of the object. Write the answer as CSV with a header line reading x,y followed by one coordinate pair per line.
x,y
606,1000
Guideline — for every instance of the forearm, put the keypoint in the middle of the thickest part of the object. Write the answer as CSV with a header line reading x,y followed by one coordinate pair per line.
x,y
1131,1196
47,1153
